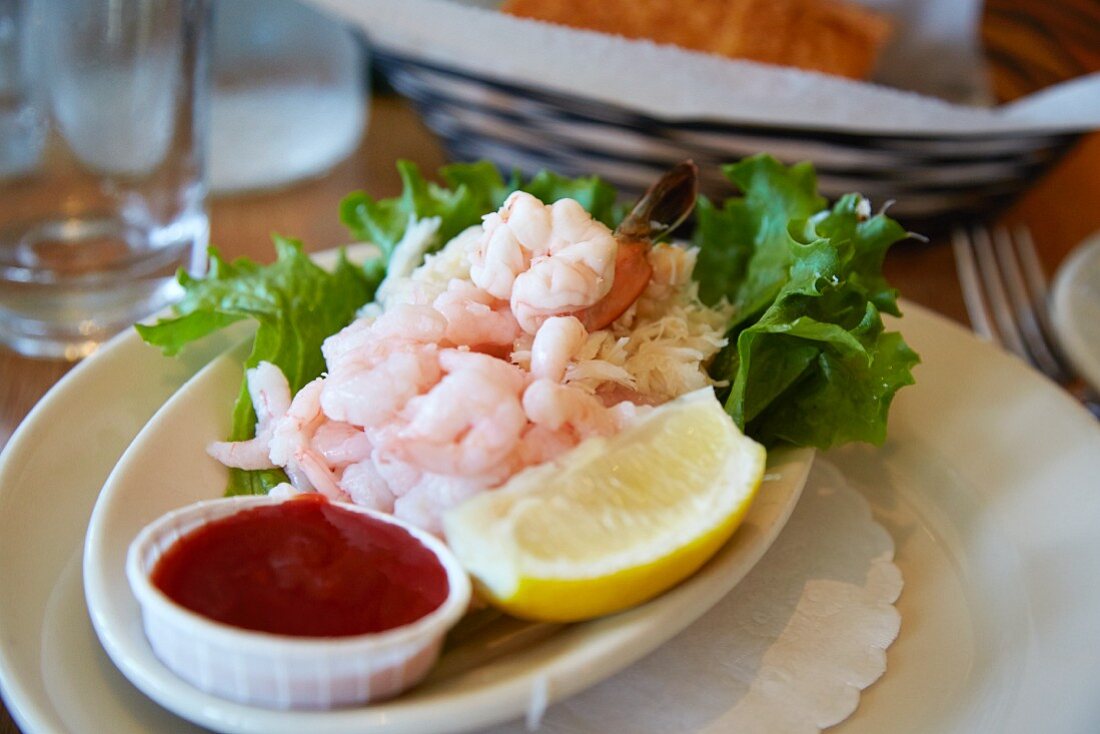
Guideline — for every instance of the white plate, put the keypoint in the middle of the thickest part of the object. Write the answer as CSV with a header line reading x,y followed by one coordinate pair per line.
x,y
1075,306
988,484
475,683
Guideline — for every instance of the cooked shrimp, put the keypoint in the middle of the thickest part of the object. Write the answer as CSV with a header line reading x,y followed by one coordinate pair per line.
x,y
556,342
341,444
554,406
663,207
367,487
375,367
417,412
270,393
411,323
540,444
370,393
283,490
475,317
400,476
468,423
311,465
424,504
510,236
632,275
576,271
290,444
367,338
544,259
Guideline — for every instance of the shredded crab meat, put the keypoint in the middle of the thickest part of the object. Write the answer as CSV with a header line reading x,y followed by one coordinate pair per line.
x,y
470,367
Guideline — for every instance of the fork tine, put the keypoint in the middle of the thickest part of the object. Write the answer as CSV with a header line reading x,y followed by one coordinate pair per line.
x,y
1037,285
1025,285
1033,269
967,268
996,293
1005,291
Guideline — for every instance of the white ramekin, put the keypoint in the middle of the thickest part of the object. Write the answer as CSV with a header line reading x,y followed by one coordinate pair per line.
x,y
279,671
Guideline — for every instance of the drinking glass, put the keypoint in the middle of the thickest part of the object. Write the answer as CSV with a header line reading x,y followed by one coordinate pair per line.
x,y
102,139
288,96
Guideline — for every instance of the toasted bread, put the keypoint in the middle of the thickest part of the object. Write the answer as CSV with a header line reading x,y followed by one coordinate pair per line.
x,y
823,35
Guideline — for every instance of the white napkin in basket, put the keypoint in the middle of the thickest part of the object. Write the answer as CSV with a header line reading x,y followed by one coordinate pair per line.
x,y
934,52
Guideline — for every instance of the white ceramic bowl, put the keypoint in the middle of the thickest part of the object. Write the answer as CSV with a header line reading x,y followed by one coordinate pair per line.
x,y
278,671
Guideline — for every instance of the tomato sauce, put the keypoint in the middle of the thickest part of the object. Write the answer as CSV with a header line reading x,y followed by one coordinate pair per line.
x,y
303,567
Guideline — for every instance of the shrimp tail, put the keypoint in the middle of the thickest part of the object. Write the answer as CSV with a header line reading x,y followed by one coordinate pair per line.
x,y
664,206
632,274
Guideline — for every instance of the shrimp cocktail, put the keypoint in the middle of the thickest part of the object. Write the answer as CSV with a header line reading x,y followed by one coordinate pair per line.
x,y
505,349
574,400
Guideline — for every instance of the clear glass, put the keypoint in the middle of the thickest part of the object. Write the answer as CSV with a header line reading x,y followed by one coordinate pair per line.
x,y
289,96
102,140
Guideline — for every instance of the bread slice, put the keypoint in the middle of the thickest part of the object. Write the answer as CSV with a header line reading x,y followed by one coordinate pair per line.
x,y
830,36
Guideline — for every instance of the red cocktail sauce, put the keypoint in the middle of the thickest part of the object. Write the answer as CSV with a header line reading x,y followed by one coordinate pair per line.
x,y
303,567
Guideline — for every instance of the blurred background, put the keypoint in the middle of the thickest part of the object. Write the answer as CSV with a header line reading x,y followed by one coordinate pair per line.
x,y
1027,46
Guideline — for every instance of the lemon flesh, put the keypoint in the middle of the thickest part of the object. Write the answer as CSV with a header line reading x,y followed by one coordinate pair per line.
x,y
615,521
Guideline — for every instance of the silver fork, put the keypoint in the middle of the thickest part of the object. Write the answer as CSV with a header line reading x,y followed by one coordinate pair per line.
x,y
1005,290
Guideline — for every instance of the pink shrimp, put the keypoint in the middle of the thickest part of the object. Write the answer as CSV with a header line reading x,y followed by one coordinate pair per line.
x,y
544,259
467,424
376,367
575,271
365,339
663,208
367,487
291,444
540,444
270,393
556,342
424,504
511,235
475,318
341,444
556,407
552,260
372,393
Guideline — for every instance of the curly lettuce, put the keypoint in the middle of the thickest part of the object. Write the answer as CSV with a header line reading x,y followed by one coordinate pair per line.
x,y
809,361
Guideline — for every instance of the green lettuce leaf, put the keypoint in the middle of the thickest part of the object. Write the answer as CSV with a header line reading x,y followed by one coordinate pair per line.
x,y
809,361
593,193
472,191
296,303
743,253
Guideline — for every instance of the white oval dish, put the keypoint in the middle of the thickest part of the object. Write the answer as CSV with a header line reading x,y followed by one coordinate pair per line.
x,y
280,671
490,669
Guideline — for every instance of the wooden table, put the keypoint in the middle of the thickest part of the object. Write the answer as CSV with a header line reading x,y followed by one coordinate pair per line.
x,y
1061,210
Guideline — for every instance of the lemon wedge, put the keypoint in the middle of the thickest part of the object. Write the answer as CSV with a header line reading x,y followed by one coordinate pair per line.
x,y
615,521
